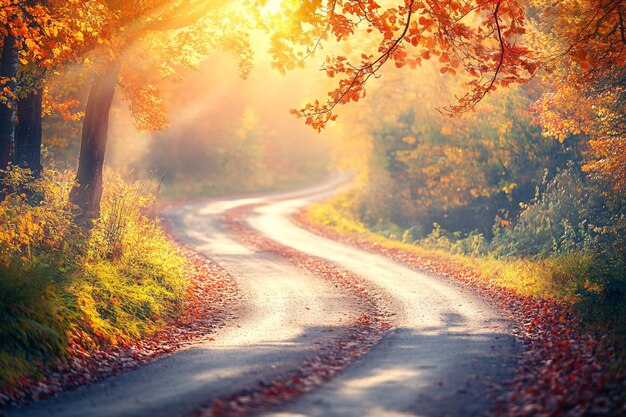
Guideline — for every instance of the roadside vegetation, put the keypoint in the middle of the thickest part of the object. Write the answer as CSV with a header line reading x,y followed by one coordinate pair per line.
x,y
64,288
513,188
582,279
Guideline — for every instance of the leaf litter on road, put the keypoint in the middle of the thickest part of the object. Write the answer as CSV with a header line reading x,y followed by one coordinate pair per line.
x,y
360,336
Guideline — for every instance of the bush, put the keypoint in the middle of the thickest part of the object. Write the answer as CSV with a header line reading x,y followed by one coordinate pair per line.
x,y
473,244
602,297
413,233
62,286
579,224
573,214
573,274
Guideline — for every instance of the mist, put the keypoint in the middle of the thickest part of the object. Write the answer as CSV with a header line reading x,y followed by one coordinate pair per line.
x,y
227,134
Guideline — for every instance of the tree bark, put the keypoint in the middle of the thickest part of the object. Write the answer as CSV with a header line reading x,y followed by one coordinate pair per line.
x,y
8,69
87,191
28,132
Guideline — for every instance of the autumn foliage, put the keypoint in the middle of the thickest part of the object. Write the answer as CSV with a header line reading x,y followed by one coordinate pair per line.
x,y
483,39
576,47
531,166
582,46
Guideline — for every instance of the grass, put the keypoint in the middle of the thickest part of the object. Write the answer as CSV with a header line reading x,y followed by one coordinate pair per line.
x,y
197,188
559,277
63,288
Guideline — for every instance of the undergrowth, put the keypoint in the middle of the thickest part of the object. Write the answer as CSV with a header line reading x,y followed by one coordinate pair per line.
x,y
577,277
63,288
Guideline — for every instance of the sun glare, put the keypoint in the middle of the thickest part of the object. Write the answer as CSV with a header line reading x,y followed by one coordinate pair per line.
x,y
271,8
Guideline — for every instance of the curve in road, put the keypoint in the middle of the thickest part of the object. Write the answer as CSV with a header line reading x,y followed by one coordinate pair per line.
x,y
283,321
447,345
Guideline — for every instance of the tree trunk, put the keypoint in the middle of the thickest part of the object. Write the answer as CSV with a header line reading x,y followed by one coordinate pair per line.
x,y
28,133
8,69
87,192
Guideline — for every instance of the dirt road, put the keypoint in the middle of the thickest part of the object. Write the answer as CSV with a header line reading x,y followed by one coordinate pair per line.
x,y
445,347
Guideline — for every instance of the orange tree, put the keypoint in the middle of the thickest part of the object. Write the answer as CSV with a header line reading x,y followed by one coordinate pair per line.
x,y
16,30
8,72
462,172
37,37
486,39
580,45
151,40
126,43
584,47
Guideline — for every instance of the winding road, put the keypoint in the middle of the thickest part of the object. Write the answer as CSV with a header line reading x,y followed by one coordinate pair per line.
x,y
445,348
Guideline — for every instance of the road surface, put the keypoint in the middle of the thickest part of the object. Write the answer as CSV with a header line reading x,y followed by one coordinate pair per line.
x,y
445,347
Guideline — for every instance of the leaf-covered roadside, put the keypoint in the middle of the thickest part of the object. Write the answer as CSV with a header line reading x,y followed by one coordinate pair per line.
x,y
80,306
565,368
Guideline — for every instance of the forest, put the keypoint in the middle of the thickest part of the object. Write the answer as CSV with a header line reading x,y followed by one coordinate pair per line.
x,y
483,136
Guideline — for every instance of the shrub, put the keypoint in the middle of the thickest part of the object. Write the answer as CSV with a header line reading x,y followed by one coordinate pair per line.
x,y
579,224
473,244
413,233
573,274
573,214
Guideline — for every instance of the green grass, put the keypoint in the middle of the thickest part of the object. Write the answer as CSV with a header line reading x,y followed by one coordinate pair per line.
x,y
62,287
558,277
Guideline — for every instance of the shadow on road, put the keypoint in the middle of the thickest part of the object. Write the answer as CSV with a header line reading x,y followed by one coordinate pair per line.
x,y
377,384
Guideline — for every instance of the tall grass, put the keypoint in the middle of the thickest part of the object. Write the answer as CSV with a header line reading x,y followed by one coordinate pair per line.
x,y
63,287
